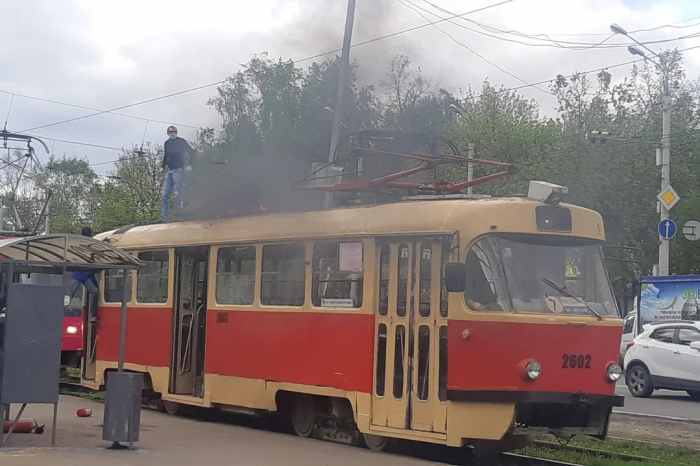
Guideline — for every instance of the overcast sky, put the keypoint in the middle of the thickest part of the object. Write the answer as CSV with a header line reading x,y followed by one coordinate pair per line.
x,y
109,53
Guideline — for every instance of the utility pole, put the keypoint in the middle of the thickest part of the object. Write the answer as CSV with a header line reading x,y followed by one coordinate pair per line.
x,y
343,68
664,245
470,168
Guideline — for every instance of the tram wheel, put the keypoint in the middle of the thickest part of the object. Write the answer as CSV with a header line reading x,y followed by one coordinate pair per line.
x,y
376,442
171,407
303,415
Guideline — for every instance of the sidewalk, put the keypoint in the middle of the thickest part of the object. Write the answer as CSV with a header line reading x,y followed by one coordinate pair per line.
x,y
174,441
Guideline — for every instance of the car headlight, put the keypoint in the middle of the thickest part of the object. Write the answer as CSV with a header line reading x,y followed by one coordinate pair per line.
x,y
71,330
613,372
533,370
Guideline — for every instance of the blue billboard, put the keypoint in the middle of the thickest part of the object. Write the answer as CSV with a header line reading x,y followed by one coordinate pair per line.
x,y
669,298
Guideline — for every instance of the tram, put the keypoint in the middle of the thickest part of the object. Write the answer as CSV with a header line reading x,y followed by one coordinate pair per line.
x,y
455,320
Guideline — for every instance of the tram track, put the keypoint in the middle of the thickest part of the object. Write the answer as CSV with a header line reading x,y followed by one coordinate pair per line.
x,y
514,459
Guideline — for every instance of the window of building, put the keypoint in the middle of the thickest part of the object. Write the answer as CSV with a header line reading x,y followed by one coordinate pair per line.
x,y
152,278
235,275
283,277
114,280
337,275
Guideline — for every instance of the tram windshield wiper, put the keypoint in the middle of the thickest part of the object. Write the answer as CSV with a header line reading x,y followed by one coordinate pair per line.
x,y
565,292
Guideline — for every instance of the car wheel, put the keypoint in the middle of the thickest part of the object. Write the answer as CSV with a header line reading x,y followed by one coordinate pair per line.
x,y
694,394
639,381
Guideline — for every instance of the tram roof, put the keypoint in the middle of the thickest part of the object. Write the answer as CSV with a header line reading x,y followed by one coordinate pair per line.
x,y
49,253
420,217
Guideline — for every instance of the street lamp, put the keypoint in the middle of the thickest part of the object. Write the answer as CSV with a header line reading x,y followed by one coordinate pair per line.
x,y
636,51
617,29
665,136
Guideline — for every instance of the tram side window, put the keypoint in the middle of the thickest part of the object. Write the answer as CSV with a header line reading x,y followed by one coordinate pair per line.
x,y
337,275
283,277
114,280
152,279
235,275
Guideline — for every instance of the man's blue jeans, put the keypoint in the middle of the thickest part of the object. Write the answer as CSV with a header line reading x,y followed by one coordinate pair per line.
x,y
174,179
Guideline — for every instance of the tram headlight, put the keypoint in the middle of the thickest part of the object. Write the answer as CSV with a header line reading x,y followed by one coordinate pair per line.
x,y
71,330
613,372
533,370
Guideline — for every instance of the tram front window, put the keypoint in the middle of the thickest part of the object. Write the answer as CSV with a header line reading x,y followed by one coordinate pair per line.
x,y
509,274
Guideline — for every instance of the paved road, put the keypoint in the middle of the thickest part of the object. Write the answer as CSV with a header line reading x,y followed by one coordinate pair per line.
x,y
662,403
177,441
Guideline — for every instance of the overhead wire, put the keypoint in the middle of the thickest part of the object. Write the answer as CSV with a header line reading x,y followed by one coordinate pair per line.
x,y
67,104
569,45
554,44
197,88
114,110
474,97
596,70
7,118
411,5
193,89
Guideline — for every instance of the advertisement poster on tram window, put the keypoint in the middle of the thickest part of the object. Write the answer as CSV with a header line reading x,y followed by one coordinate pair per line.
x,y
669,298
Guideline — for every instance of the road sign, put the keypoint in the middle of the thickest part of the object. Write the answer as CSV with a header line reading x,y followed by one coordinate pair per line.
x,y
667,228
668,197
691,230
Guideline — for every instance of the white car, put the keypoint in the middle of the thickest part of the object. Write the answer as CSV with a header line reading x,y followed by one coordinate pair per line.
x,y
628,333
664,356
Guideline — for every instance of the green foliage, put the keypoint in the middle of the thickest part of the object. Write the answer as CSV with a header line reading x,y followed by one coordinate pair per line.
x,y
276,114
132,191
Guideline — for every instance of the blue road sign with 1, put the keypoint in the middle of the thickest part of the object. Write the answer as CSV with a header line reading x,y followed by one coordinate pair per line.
x,y
667,229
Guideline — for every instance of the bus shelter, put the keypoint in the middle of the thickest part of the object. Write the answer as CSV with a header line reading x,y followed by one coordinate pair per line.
x,y
31,327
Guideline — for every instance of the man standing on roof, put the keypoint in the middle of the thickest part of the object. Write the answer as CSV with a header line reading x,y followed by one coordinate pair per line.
x,y
176,150
89,281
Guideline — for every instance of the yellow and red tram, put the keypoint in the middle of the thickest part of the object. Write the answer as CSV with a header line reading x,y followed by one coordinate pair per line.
x,y
452,321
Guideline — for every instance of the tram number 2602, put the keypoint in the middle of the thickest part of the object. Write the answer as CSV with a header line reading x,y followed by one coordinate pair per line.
x,y
576,361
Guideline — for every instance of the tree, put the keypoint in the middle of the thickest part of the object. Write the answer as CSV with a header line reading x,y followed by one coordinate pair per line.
x,y
133,190
75,193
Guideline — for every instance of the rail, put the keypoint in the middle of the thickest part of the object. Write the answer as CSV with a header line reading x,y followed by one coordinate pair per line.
x,y
513,459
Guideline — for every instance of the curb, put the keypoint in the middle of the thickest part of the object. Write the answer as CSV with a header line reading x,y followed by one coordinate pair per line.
x,y
656,416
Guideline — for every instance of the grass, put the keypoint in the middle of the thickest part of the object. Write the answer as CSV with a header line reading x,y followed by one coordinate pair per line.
x,y
661,455
585,458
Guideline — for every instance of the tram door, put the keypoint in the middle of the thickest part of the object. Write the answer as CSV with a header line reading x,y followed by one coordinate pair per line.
x,y
89,339
187,371
411,337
